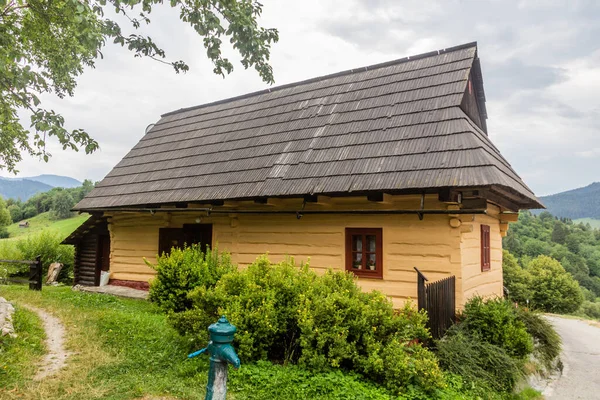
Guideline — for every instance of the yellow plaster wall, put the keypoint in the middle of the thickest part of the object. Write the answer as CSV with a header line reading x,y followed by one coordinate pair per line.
x,y
474,281
431,244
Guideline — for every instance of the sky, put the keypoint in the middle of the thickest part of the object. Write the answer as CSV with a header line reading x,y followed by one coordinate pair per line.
x,y
540,62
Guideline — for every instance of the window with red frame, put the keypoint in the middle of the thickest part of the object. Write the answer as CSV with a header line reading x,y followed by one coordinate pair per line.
x,y
485,248
364,252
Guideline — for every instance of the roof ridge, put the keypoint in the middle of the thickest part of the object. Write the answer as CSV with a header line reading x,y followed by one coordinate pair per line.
x,y
329,76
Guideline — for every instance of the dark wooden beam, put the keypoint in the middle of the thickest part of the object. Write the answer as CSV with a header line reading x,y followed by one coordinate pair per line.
x,y
502,201
449,195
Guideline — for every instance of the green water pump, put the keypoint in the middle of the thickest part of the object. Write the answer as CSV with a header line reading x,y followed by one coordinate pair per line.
x,y
221,354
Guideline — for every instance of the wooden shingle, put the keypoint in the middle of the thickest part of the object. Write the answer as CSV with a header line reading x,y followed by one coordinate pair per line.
x,y
395,127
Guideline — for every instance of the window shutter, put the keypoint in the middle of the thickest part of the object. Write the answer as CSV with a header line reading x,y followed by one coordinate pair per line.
x,y
485,248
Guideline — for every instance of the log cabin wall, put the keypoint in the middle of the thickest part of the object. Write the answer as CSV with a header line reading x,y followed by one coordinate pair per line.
x,y
85,261
434,244
88,256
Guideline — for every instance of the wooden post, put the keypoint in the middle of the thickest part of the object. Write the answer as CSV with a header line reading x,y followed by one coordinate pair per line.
x,y
421,290
35,274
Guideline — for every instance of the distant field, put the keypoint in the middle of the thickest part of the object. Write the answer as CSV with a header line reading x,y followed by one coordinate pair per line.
x,y
42,222
595,223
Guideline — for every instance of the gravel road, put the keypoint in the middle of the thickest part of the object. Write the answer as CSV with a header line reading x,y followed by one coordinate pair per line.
x,y
581,359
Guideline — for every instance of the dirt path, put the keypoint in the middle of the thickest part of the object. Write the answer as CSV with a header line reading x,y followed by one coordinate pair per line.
x,y
581,358
56,358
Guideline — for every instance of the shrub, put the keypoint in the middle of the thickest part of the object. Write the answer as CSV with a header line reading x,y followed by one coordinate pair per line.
x,y
496,321
555,290
547,343
47,245
3,232
478,362
29,212
516,279
264,380
262,301
590,309
183,270
16,214
288,313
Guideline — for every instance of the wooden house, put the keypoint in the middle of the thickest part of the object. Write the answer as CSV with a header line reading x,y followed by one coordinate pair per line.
x,y
374,170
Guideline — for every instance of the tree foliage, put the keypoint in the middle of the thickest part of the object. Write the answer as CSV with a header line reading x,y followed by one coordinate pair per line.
x,y
45,46
575,246
5,218
555,290
58,200
62,204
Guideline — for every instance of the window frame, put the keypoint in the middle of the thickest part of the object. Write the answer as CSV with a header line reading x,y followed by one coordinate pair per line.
x,y
486,264
364,272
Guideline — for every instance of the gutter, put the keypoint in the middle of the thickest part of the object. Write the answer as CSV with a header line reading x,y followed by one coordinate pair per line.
x,y
298,213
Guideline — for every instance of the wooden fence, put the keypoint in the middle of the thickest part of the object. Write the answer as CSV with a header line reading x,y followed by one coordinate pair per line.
x,y
35,273
438,299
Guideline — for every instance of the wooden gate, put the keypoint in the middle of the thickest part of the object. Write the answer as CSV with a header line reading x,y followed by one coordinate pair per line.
x,y
35,273
438,299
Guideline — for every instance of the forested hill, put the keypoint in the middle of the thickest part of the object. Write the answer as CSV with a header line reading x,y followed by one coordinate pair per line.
x,y
576,246
24,188
577,203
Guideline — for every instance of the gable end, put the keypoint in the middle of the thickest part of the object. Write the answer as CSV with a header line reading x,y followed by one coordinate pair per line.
x,y
473,101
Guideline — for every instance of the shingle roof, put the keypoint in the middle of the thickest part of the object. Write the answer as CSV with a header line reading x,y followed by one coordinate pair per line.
x,y
391,127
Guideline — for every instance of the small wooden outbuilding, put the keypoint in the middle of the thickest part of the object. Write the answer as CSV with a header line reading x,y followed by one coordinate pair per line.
x,y
374,170
92,250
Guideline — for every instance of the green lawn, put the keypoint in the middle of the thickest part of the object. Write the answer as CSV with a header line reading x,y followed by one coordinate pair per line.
x,y
125,349
595,223
42,222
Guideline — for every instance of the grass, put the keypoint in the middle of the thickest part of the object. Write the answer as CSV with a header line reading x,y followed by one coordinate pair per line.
x,y
19,355
594,223
124,349
42,222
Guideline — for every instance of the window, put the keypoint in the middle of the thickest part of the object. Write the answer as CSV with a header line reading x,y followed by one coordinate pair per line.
x,y
485,248
364,252
189,234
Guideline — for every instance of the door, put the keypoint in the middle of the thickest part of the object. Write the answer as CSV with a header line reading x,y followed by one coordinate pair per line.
x,y
102,256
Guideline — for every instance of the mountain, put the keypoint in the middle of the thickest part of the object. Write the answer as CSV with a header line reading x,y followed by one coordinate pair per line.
x,y
577,203
21,188
55,180
24,188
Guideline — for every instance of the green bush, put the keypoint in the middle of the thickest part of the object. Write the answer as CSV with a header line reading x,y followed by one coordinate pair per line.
x,y
263,302
3,232
263,380
289,314
183,270
478,362
547,343
590,309
47,245
29,212
545,283
516,279
496,321
555,290
16,213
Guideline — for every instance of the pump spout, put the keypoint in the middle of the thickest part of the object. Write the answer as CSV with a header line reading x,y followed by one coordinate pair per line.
x,y
228,354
